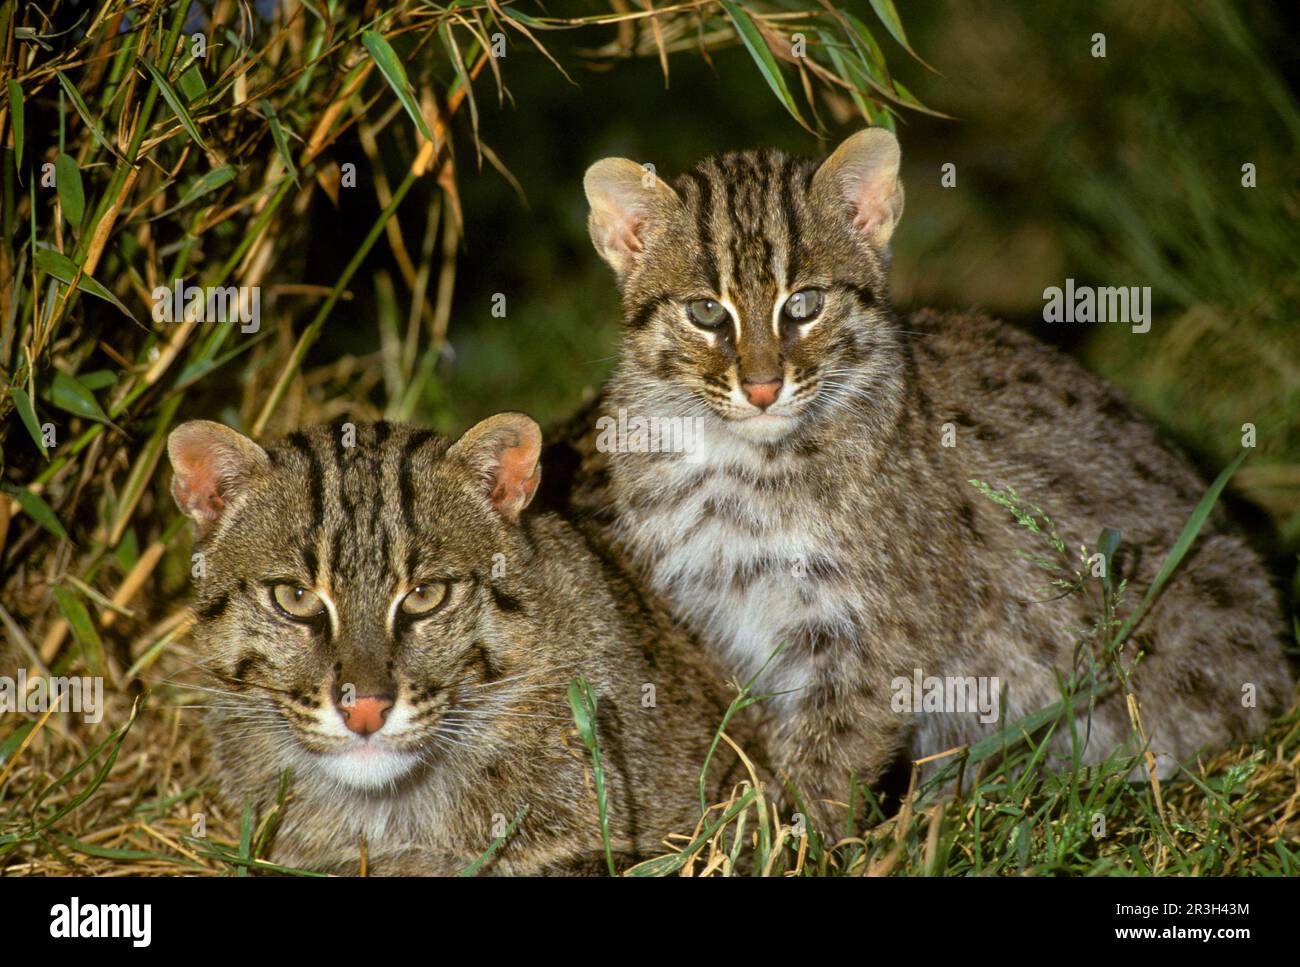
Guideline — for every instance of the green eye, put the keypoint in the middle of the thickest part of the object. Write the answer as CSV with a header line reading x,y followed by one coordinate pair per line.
x,y
804,306
425,599
707,313
298,603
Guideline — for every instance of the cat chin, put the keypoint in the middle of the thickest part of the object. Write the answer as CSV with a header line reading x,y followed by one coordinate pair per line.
x,y
764,428
366,766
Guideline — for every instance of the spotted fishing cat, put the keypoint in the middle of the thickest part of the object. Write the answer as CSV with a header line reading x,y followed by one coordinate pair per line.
x,y
819,507
383,617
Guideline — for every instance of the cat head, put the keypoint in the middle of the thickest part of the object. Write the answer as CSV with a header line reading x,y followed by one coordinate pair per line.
x,y
754,287
360,590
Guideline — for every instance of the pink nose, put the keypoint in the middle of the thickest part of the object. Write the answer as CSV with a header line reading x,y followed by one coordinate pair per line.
x,y
366,715
761,394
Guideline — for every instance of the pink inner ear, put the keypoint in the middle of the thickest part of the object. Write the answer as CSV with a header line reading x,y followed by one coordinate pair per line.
x,y
623,232
197,486
199,500
518,474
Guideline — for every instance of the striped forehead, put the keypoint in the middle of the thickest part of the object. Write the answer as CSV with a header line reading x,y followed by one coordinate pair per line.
x,y
749,209
359,492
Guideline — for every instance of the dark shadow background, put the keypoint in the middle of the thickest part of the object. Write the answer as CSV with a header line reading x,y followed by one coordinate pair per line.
x,y
1123,170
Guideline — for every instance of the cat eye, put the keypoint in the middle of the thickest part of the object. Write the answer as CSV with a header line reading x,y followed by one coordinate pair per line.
x,y
707,313
298,603
804,306
425,599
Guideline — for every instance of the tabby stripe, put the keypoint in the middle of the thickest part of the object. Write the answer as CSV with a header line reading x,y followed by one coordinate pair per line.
x,y
335,560
406,486
309,560
866,298
733,236
703,225
790,209
298,440
640,316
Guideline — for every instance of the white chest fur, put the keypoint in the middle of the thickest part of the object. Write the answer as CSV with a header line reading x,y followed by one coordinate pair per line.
x,y
741,565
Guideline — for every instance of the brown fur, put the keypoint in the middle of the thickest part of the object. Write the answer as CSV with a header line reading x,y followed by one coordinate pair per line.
x,y
482,681
844,528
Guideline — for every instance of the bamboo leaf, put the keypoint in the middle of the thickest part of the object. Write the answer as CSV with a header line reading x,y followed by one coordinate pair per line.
x,y
201,186
72,196
80,105
35,507
191,83
83,628
16,109
68,394
390,66
758,50
27,412
174,102
281,142
888,15
65,270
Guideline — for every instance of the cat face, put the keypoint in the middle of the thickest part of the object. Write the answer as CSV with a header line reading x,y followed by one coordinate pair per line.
x,y
754,288
358,588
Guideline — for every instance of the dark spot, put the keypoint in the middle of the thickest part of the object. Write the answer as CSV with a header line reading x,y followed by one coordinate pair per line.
x,y
247,662
505,601
1030,376
1070,398
482,658
967,514
1145,473
1118,410
1216,591
992,384
215,608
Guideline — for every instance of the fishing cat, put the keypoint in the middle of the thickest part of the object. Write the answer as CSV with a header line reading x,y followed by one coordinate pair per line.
x,y
383,618
825,501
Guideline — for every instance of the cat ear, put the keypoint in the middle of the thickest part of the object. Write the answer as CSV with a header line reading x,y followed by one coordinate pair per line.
x,y
629,203
503,453
212,463
863,172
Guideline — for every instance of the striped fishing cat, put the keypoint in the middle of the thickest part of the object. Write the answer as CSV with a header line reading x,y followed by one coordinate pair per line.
x,y
820,494
383,617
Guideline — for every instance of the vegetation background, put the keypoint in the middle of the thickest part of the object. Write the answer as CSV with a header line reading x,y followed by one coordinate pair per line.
x,y
378,300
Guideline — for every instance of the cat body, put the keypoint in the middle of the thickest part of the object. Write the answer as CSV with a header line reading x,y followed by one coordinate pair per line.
x,y
827,503
385,621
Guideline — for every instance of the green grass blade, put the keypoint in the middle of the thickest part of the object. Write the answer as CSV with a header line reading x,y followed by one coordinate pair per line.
x,y
473,868
1181,546
582,699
